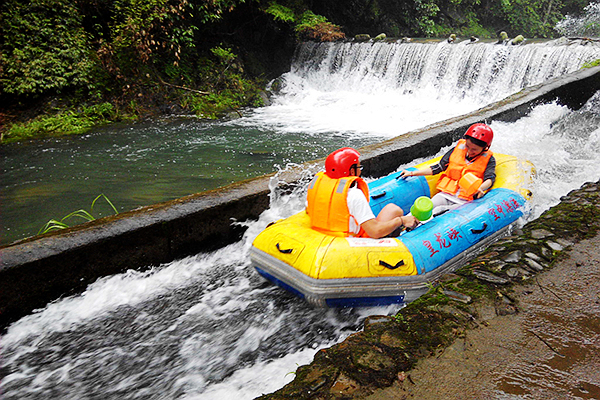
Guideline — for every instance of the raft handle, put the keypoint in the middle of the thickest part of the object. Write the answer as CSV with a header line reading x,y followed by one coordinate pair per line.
x,y
284,251
478,231
389,266
378,195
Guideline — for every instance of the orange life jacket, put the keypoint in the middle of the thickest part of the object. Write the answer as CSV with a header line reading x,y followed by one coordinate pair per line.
x,y
459,166
328,206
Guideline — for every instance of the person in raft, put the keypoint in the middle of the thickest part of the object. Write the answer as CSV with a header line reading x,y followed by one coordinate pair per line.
x,y
337,201
469,170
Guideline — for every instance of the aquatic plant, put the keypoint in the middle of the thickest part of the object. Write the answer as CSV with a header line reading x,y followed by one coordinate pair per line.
x,y
54,224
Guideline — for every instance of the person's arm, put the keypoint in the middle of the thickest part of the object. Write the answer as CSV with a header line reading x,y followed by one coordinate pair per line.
x,y
432,170
375,227
418,172
489,177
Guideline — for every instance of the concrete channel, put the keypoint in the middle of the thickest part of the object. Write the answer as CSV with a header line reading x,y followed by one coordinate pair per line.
x,y
41,269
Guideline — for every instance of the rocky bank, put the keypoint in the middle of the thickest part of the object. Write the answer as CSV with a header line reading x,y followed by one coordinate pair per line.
x,y
491,327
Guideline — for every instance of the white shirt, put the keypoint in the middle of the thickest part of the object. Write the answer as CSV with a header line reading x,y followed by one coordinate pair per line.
x,y
359,208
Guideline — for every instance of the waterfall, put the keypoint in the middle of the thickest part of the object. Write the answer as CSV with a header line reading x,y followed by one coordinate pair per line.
x,y
382,89
486,72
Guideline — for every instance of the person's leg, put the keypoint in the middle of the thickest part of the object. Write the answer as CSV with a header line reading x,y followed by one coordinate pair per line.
x,y
442,203
390,212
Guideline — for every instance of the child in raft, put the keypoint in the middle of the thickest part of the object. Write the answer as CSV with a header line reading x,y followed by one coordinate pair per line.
x,y
468,170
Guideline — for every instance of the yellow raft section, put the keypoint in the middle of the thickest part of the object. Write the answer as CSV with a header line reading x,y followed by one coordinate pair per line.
x,y
322,256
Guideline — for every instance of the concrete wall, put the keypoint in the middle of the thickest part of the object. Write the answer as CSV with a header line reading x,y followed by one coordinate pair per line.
x,y
38,270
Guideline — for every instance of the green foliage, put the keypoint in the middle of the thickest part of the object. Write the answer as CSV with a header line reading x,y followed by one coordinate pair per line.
x,y
524,17
591,64
149,30
316,27
225,56
63,123
135,54
281,13
426,11
54,224
43,48
217,105
308,19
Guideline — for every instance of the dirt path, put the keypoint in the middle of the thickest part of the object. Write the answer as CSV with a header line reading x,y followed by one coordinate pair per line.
x,y
549,350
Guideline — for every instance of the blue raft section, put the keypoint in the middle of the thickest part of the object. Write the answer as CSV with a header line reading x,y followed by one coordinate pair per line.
x,y
444,237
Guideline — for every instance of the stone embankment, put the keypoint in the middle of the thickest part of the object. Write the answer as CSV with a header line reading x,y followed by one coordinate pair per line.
x,y
381,356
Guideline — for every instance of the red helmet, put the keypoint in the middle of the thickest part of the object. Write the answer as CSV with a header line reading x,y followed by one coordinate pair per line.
x,y
481,132
338,163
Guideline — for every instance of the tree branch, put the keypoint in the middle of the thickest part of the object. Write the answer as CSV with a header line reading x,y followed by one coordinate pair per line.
x,y
184,88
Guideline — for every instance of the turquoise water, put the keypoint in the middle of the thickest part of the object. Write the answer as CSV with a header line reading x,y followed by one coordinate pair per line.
x,y
140,165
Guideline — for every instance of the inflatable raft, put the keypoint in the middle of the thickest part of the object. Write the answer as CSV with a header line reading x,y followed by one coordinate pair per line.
x,y
348,272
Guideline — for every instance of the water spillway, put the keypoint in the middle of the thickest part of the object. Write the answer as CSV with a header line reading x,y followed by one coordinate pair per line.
x,y
206,326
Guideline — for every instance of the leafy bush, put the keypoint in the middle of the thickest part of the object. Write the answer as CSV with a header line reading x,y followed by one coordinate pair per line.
x,y
43,48
281,13
225,56
66,122
316,27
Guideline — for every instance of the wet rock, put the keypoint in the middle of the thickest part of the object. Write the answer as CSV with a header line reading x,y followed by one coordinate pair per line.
x,y
496,265
362,37
449,277
534,264
569,200
489,255
452,295
390,340
380,37
533,256
554,246
504,305
505,309
513,257
489,277
541,233
564,242
377,319
371,359
546,253
319,383
344,386
517,272
266,99
513,272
